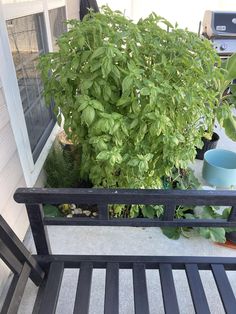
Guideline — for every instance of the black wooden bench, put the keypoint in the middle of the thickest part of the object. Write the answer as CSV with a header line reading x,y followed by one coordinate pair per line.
x,y
46,269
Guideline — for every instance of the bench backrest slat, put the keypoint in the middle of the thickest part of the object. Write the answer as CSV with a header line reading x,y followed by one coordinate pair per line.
x,y
170,199
124,196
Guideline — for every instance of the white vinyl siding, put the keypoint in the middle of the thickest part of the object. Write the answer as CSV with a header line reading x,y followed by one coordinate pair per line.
x,y
11,174
11,177
17,168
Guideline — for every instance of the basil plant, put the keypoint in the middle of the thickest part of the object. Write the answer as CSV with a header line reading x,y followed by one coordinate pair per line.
x,y
136,97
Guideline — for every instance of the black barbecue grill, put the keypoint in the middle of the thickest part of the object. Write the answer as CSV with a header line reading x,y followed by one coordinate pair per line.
x,y
220,28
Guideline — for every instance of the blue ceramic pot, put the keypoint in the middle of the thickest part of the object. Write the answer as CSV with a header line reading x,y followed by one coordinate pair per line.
x,y
219,168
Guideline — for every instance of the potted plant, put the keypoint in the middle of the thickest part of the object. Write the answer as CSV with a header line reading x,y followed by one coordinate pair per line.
x,y
133,96
223,113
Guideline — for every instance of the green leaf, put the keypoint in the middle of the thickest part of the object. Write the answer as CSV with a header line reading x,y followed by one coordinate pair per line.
x,y
104,155
171,232
230,127
164,60
215,234
84,56
86,84
133,162
134,211
127,85
134,123
97,89
124,129
96,105
51,211
145,91
81,41
98,52
231,68
226,213
116,72
148,211
123,101
106,67
82,106
88,115
94,67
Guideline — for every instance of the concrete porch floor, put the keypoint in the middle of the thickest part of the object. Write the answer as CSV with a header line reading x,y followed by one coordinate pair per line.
x,y
132,241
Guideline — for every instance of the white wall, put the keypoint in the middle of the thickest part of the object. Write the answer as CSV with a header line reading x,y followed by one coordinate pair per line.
x,y
186,13
72,9
16,164
11,177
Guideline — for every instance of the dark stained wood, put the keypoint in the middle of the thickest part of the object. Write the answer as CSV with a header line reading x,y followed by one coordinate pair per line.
x,y
141,305
124,196
39,296
232,215
39,231
50,296
10,293
17,248
196,288
225,289
111,304
82,298
139,222
16,291
169,211
169,198
168,289
9,258
103,211
49,289
151,262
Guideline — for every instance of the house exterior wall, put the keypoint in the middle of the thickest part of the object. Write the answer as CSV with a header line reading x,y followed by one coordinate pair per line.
x,y
11,174
72,9
11,177
17,168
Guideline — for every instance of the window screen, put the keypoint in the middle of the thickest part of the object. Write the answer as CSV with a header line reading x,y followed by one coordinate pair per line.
x,y
27,38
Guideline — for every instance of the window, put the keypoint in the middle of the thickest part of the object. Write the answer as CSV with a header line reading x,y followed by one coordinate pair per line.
x,y
57,19
27,38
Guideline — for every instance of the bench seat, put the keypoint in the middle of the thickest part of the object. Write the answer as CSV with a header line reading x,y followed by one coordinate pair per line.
x,y
138,264
46,269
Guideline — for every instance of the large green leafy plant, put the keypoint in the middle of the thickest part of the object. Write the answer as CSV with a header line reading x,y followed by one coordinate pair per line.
x,y
227,118
137,98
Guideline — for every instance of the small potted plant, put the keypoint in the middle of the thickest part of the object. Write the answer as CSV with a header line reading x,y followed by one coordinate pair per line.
x,y
223,113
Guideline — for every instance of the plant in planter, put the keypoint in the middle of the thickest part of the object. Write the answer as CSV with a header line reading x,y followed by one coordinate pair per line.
x,y
133,96
225,116
208,212
223,113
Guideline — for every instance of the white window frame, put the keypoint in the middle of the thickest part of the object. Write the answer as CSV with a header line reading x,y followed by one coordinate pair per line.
x,y
8,77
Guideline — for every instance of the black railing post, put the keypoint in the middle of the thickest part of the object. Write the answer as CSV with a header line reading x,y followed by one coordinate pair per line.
x,y
39,231
232,215
169,211
103,211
